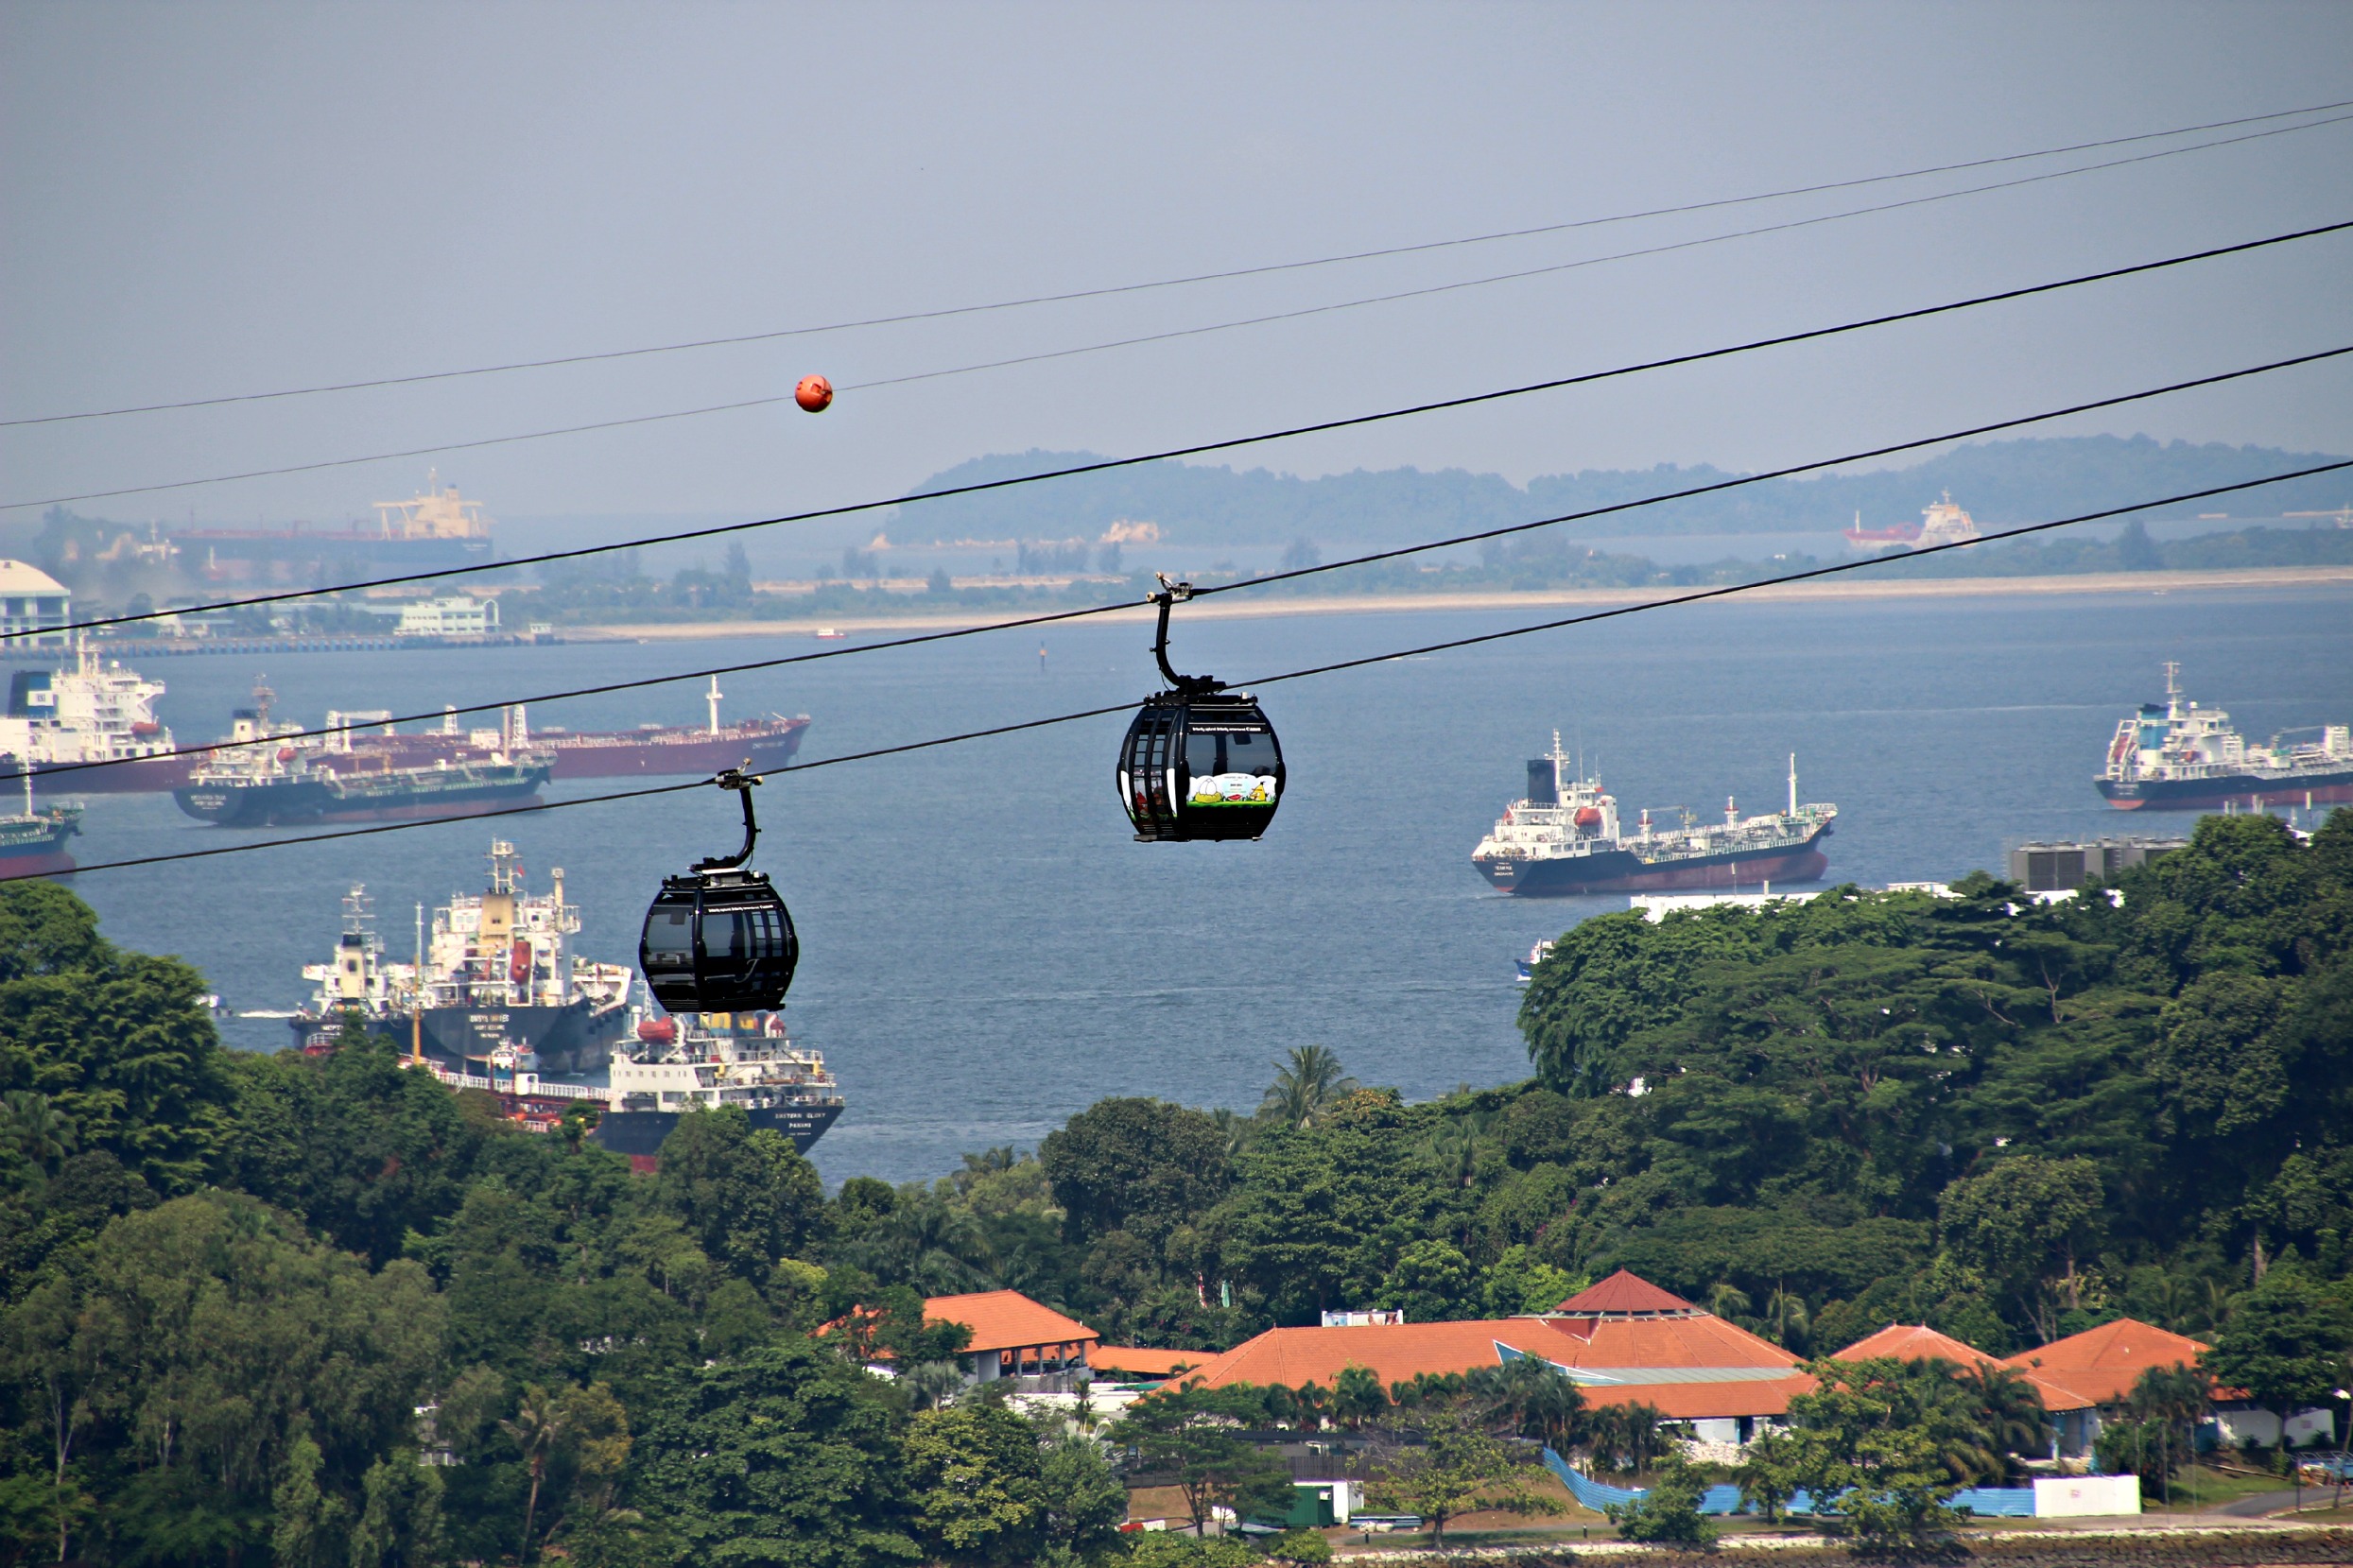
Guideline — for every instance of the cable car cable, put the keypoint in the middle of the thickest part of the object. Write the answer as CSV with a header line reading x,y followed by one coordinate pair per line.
x,y
1049,617
1724,592
1101,346
1260,270
1106,464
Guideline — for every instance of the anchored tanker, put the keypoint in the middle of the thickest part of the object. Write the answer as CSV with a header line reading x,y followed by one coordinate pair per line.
x,y
2176,756
1564,837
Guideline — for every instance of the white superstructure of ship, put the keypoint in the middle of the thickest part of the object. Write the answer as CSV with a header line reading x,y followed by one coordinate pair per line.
x,y
93,710
2176,756
495,972
668,1067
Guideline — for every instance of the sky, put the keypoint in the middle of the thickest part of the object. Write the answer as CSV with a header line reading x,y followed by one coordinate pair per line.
x,y
198,201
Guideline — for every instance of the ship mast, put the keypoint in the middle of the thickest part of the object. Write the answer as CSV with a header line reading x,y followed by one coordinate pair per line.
x,y
712,697
1793,784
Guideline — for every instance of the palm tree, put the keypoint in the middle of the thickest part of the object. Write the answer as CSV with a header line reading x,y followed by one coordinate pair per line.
x,y
1304,1087
1357,1396
987,1163
1786,1314
538,1425
1457,1144
2010,1409
929,1244
1728,1301
1535,1398
1240,1132
40,1131
931,1383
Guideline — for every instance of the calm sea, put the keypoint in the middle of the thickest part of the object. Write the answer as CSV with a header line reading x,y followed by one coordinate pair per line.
x,y
987,951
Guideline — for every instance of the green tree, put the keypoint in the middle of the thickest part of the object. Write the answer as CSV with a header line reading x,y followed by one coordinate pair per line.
x,y
1670,1510
1457,1468
1305,1085
1357,1397
115,1043
2285,1343
1193,1436
1134,1164
784,1455
1085,1505
2024,1221
747,1195
1870,1443
976,1485
400,1523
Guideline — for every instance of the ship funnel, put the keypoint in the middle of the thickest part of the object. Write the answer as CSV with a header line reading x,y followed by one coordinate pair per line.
x,y
1543,784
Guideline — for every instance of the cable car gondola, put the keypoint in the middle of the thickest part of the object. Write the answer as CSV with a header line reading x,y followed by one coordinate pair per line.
x,y
1200,762
719,939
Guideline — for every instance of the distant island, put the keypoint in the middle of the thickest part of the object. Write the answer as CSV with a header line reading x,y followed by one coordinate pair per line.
x,y
2001,483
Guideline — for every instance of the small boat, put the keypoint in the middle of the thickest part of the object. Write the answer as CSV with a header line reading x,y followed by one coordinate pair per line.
x,y
1536,955
827,635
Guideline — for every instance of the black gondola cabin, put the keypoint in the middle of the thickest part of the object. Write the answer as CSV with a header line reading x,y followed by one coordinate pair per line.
x,y
719,939
1200,762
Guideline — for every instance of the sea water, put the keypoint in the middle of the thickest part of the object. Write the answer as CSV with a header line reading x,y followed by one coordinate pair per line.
x,y
986,950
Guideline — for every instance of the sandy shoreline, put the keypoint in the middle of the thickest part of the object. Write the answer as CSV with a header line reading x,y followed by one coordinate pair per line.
x,y
1241,607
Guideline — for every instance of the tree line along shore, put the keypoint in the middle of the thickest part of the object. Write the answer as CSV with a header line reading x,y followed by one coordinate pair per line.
x,y
319,1310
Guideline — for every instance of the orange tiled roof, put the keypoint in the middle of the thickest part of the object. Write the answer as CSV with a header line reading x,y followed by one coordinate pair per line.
x,y
1145,1363
1918,1343
1702,1339
1684,1349
1623,1292
1007,1319
2103,1364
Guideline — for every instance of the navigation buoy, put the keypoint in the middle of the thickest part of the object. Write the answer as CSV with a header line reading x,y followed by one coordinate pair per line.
x,y
815,394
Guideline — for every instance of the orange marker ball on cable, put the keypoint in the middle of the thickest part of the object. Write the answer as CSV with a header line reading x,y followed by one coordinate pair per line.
x,y
815,394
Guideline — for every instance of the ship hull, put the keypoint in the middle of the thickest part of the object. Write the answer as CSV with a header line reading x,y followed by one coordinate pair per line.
x,y
572,1039
135,776
2244,791
639,1133
300,802
1623,871
615,754
34,862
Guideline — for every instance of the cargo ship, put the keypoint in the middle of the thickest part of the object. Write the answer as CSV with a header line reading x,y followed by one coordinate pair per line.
x,y
1564,838
94,711
2176,756
651,749
671,1067
97,712
289,788
1941,523
32,841
498,975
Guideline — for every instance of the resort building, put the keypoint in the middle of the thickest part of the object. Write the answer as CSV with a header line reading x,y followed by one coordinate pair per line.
x,y
1623,1341
1014,1337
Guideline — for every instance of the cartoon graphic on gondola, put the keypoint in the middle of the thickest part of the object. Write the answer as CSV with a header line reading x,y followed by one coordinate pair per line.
x,y
1231,789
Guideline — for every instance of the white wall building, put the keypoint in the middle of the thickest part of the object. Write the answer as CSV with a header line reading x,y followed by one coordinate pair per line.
x,y
456,617
33,600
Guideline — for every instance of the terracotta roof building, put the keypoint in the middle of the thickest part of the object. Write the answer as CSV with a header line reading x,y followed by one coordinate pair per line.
x,y
2074,1419
1014,1337
2103,1364
1136,1363
1623,1341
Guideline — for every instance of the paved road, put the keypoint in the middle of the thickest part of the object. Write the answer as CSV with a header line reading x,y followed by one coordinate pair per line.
x,y
2270,1501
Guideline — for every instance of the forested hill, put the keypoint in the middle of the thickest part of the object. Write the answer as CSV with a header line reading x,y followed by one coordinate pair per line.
x,y
1998,482
287,1312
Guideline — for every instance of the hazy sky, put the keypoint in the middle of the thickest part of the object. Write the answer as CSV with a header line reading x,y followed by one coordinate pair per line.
x,y
203,200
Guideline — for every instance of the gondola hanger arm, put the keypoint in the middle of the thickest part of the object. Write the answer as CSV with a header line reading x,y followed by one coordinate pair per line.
x,y
1171,593
742,783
